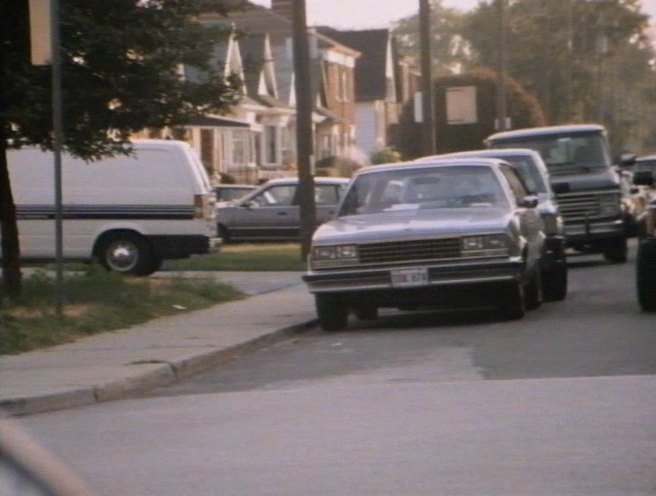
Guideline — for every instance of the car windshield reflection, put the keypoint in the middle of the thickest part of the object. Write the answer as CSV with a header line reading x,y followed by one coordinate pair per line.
x,y
425,188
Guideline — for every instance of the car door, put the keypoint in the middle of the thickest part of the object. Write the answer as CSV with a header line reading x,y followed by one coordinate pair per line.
x,y
531,225
269,215
326,197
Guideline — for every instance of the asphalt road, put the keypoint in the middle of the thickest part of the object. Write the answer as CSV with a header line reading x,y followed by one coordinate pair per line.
x,y
562,402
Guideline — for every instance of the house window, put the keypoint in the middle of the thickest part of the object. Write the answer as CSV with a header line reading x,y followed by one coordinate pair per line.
x,y
325,145
240,146
271,144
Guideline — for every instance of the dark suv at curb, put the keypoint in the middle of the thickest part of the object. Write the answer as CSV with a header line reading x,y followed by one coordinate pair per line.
x,y
646,258
587,186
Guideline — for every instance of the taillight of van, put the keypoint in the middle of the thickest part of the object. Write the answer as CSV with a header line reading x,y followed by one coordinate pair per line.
x,y
204,206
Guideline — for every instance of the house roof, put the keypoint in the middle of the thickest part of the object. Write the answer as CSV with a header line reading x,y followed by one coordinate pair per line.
x,y
370,67
209,121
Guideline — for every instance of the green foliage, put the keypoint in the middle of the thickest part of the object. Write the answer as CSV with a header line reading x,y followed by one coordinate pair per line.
x,y
97,301
523,110
385,156
555,52
448,49
121,63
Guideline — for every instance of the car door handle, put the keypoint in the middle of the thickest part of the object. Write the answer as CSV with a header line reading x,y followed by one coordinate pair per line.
x,y
282,213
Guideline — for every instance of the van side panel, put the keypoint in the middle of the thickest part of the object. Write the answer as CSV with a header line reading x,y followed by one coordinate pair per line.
x,y
150,192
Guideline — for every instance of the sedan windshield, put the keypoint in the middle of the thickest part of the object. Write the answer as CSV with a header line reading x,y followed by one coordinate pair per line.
x,y
423,188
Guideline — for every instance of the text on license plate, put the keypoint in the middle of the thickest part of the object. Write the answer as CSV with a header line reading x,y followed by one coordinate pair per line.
x,y
409,277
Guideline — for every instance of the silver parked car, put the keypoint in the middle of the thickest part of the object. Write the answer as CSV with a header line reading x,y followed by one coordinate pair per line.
x,y
451,231
271,212
532,169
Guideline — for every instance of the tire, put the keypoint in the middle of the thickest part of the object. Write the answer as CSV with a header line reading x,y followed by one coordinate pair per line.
x,y
533,291
128,253
224,233
554,284
646,276
366,312
513,302
616,250
332,311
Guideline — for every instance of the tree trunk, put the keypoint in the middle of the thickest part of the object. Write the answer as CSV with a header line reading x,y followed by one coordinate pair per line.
x,y
11,273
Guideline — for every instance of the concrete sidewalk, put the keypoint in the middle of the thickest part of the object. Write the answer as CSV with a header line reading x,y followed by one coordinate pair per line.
x,y
123,363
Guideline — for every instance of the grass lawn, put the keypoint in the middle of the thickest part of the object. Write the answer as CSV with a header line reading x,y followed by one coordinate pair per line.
x,y
97,301
245,256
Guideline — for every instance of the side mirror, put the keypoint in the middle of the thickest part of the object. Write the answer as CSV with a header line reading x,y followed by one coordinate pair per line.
x,y
250,204
530,201
643,178
628,159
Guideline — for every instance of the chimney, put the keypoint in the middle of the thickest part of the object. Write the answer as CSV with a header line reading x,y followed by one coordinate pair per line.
x,y
283,8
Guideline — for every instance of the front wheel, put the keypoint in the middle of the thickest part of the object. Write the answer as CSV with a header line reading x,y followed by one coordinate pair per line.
x,y
554,284
513,304
646,276
128,253
332,311
616,250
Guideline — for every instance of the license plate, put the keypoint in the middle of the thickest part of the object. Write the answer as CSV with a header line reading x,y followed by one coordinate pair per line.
x,y
405,278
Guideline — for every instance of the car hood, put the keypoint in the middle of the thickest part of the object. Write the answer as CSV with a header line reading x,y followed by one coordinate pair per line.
x,y
413,224
605,178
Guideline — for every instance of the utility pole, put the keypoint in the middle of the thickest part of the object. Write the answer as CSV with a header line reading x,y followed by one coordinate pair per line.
x,y
427,109
304,145
501,77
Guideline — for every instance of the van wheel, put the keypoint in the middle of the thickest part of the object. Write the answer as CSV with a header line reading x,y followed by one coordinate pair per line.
x,y
128,253
616,250
332,311
364,311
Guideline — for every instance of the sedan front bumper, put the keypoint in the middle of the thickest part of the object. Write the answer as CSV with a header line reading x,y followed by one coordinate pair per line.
x,y
431,276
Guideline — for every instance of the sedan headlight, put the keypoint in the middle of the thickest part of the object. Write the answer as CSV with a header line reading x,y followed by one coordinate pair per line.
x,y
484,245
334,255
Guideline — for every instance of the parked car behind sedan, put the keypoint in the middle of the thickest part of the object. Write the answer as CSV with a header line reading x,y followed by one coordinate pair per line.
x,y
535,175
646,257
271,212
232,192
423,234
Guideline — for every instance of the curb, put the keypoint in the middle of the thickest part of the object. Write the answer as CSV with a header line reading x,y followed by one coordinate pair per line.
x,y
165,374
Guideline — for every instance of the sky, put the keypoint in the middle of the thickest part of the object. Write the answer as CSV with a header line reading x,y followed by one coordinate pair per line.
x,y
361,14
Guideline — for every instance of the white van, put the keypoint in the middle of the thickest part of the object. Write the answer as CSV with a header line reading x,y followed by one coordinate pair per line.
x,y
129,212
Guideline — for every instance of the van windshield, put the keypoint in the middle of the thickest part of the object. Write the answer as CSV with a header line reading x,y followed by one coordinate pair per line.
x,y
566,154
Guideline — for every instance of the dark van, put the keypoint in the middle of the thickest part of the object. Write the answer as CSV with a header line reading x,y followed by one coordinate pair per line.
x,y
586,184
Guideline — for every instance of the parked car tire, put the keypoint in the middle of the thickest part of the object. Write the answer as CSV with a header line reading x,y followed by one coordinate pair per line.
x,y
554,284
533,291
332,311
224,234
616,250
646,275
127,253
366,312
513,302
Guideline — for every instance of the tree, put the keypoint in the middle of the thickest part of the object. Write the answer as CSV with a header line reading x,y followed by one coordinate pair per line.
x,y
121,73
448,48
570,54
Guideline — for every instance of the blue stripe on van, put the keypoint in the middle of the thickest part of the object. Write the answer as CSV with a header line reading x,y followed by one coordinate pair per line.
x,y
71,212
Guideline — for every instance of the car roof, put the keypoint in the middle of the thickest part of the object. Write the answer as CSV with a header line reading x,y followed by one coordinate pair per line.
x,y
317,180
546,130
484,153
441,162
225,185
646,158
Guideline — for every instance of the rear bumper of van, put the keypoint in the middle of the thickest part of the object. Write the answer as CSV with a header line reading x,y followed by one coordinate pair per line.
x,y
181,246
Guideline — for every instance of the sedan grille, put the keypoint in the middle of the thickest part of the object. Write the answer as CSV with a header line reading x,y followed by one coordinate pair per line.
x,y
406,251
